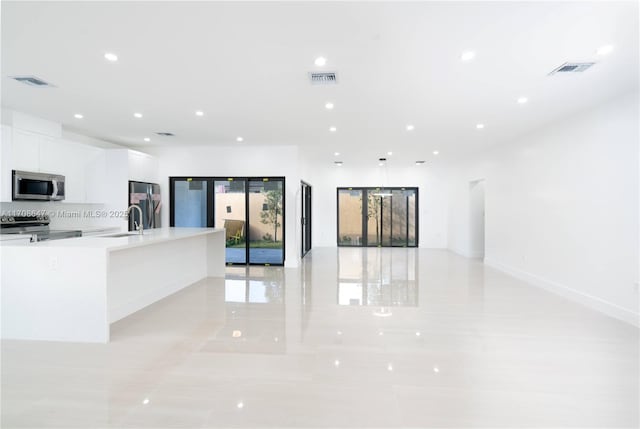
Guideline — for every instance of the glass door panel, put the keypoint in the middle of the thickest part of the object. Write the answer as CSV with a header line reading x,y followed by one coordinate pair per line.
x,y
399,213
374,217
265,232
190,201
231,214
350,217
387,220
411,219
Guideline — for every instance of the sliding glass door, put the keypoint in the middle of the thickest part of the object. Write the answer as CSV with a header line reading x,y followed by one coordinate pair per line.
x,y
250,209
190,205
377,217
266,226
305,221
231,214
350,218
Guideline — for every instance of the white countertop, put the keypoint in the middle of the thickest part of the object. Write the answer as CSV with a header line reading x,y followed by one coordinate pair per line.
x,y
150,237
14,237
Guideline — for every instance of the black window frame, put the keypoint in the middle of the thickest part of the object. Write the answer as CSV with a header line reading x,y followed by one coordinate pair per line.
x,y
364,190
211,207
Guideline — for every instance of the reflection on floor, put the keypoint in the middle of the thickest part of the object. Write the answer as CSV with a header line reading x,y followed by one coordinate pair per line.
x,y
416,338
375,277
257,256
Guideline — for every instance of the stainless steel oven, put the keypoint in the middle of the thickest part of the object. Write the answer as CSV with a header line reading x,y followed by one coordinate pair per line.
x,y
37,186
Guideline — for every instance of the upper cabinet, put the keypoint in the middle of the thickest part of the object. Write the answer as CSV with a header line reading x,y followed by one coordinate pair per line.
x,y
142,167
6,158
93,175
25,150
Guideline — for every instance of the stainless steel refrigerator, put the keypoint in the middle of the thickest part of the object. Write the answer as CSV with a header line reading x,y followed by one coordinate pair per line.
x,y
147,197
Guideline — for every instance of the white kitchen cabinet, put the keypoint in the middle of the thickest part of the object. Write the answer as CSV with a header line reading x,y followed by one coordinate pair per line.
x,y
25,147
142,167
95,174
53,156
6,156
69,159
82,184
82,165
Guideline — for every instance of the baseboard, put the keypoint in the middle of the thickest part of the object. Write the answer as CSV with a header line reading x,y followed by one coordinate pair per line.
x,y
590,301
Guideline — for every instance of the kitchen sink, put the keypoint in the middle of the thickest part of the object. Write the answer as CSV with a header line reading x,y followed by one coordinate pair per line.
x,y
122,234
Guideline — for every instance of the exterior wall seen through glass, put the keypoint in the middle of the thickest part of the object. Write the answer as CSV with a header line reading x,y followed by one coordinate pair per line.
x,y
378,217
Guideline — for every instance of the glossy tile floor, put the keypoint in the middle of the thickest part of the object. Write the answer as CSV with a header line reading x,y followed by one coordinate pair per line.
x,y
354,338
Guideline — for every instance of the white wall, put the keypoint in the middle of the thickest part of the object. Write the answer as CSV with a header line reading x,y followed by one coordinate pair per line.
x,y
476,219
562,207
238,160
430,180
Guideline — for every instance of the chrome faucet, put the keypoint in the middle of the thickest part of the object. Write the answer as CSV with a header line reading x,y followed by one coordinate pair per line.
x,y
140,226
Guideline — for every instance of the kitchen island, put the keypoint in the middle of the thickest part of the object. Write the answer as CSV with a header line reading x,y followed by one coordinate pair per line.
x,y
74,289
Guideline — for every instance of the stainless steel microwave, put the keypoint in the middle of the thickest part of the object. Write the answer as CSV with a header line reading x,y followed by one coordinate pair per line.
x,y
37,186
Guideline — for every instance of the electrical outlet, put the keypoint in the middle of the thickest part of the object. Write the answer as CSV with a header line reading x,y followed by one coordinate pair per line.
x,y
53,263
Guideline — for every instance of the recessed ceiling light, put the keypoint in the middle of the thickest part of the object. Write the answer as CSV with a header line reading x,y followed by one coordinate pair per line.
x,y
320,61
410,127
604,50
111,57
389,153
137,115
329,106
147,139
240,405
336,153
435,152
78,116
467,55
239,139
522,100
333,129
199,113
480,126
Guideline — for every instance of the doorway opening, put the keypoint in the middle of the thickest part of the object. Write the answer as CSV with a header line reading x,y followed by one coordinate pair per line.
x,y
305,220
476,219
251,209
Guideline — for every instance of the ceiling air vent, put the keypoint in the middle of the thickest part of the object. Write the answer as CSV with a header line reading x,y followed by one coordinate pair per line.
x,y
323,78
165,134
32,81
572,68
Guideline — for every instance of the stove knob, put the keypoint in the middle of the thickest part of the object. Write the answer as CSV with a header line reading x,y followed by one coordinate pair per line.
x,y
46,217
3,219
11,219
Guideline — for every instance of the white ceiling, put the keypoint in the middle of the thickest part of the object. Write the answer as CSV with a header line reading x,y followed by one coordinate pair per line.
x,y
245,65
